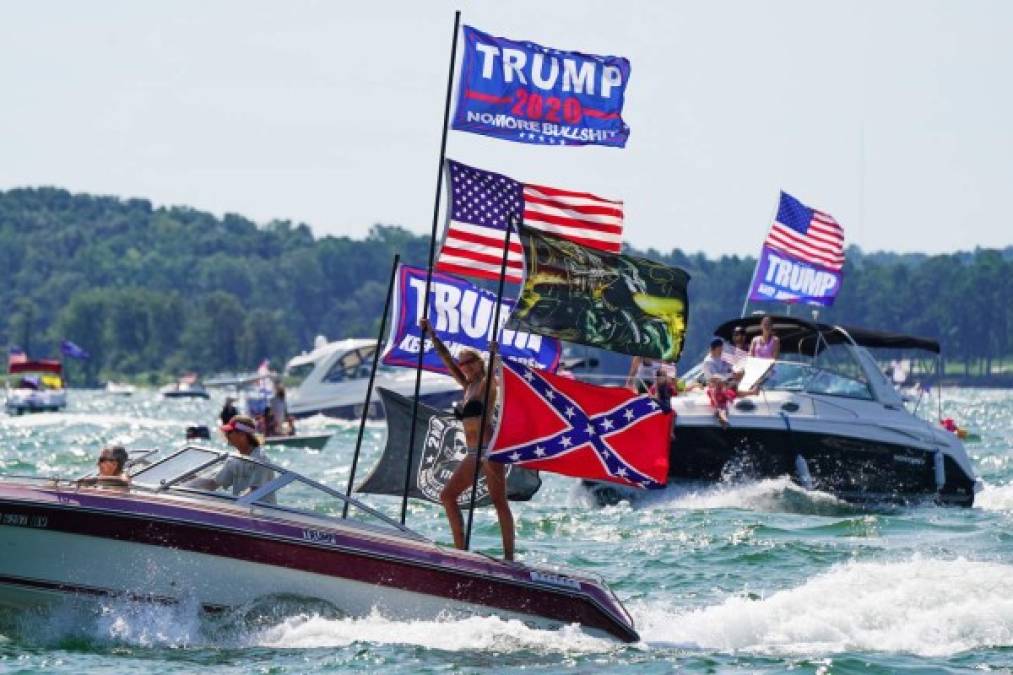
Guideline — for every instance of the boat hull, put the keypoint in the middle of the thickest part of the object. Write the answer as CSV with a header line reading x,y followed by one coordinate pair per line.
x,y
63,545
855,469
353,411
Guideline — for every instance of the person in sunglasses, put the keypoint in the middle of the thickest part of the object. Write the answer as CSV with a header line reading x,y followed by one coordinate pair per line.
x,y
112,462
470,372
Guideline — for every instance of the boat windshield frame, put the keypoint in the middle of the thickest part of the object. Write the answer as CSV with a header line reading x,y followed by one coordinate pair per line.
x,y
256,497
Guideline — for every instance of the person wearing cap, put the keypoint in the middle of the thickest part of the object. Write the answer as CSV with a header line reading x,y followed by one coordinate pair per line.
x,y
240,476
721,381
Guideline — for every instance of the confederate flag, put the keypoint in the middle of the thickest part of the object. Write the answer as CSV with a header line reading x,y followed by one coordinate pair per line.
x,y
552,423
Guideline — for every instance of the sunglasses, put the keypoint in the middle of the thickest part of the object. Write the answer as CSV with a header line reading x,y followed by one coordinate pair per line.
x,y
105,459
467,361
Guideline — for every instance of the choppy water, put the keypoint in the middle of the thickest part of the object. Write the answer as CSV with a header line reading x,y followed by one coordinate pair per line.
x,y
758,576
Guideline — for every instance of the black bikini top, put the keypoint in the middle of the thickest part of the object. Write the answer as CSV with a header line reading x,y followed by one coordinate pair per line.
x,y
472,408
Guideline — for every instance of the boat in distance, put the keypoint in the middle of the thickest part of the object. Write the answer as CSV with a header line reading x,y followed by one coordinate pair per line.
x,y
332,379
311,441
39,387
163,541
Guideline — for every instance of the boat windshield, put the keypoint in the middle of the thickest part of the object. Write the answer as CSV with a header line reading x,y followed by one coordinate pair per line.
x,y
294,375
352,365
835,371
255,483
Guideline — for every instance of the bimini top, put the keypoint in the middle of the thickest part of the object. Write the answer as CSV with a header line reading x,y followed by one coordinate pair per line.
x,y
37,366
802,336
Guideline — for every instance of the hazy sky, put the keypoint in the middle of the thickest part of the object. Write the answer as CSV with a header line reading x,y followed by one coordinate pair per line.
x,y
896,117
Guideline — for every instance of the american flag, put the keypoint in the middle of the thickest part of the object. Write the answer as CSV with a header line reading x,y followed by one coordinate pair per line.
x,y
807,234
16,355
482,204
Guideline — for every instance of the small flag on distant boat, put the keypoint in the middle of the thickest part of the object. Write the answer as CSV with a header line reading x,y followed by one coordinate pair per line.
x,y
553,423
802,256
523,92
439,448
16,355
482,204
73,351
617,302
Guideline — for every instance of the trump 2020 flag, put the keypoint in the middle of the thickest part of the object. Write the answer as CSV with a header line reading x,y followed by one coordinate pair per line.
x,y
553,423
801,258
617,302
520,91
483,204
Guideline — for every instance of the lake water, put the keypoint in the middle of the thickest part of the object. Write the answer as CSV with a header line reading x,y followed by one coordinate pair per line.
x,y
752,577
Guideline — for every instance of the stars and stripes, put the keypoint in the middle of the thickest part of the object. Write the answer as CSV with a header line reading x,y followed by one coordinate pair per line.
x,y
16,355
575,430
807,234
483,204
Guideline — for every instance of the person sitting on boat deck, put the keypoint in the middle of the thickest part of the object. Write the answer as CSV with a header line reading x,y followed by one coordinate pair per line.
x,y
240,476
228,410
283,424
112,462
721,381
766,345
470,372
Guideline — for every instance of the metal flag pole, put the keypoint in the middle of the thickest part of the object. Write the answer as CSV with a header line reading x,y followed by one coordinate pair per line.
x,y
372,375
489,377
429,268
752,280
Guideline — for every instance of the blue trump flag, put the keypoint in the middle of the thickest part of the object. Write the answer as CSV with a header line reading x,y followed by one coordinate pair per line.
x,y
520,91
71,350
802,257
461,316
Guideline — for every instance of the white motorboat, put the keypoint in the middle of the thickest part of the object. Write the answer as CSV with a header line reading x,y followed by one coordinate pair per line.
x,y
162,540
120,389
37,387
188,386
826,415
332,379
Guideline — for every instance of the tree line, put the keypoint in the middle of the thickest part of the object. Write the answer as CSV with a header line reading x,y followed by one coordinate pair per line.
x,y
156,291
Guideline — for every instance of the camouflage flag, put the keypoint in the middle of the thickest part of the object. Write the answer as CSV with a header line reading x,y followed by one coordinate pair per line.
x,y
608,300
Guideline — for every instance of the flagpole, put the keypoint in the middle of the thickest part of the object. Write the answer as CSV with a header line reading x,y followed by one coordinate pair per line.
x,y
429,268
749,289
372,375
490,375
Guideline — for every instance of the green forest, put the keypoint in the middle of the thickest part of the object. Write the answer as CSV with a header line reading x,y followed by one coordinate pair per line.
x,y
152,292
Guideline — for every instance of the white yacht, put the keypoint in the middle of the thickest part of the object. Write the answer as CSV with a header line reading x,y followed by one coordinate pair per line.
x,y
826,415
332,379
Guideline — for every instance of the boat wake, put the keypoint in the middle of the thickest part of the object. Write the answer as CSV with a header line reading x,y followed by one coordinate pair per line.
x,y
995,498
926,607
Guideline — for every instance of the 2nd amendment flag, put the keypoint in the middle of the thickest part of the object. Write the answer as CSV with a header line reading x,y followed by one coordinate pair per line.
x,y
617,302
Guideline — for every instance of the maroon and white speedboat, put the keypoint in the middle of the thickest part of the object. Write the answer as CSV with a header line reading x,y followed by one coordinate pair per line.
x,y
162,540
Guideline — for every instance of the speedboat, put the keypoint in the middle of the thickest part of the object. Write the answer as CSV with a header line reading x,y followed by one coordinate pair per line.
x,y
311,441
187,387
826,415
120,388
163,540
332,379
38,386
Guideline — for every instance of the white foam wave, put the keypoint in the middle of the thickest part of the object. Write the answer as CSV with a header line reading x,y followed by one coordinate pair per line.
x,y
921,606
473,633
770,494
995,498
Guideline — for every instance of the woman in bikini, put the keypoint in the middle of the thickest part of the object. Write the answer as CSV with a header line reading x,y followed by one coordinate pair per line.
x,y
470,372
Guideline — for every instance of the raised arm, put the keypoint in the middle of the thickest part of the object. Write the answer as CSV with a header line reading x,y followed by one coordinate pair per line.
x,y
444,354
631,378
